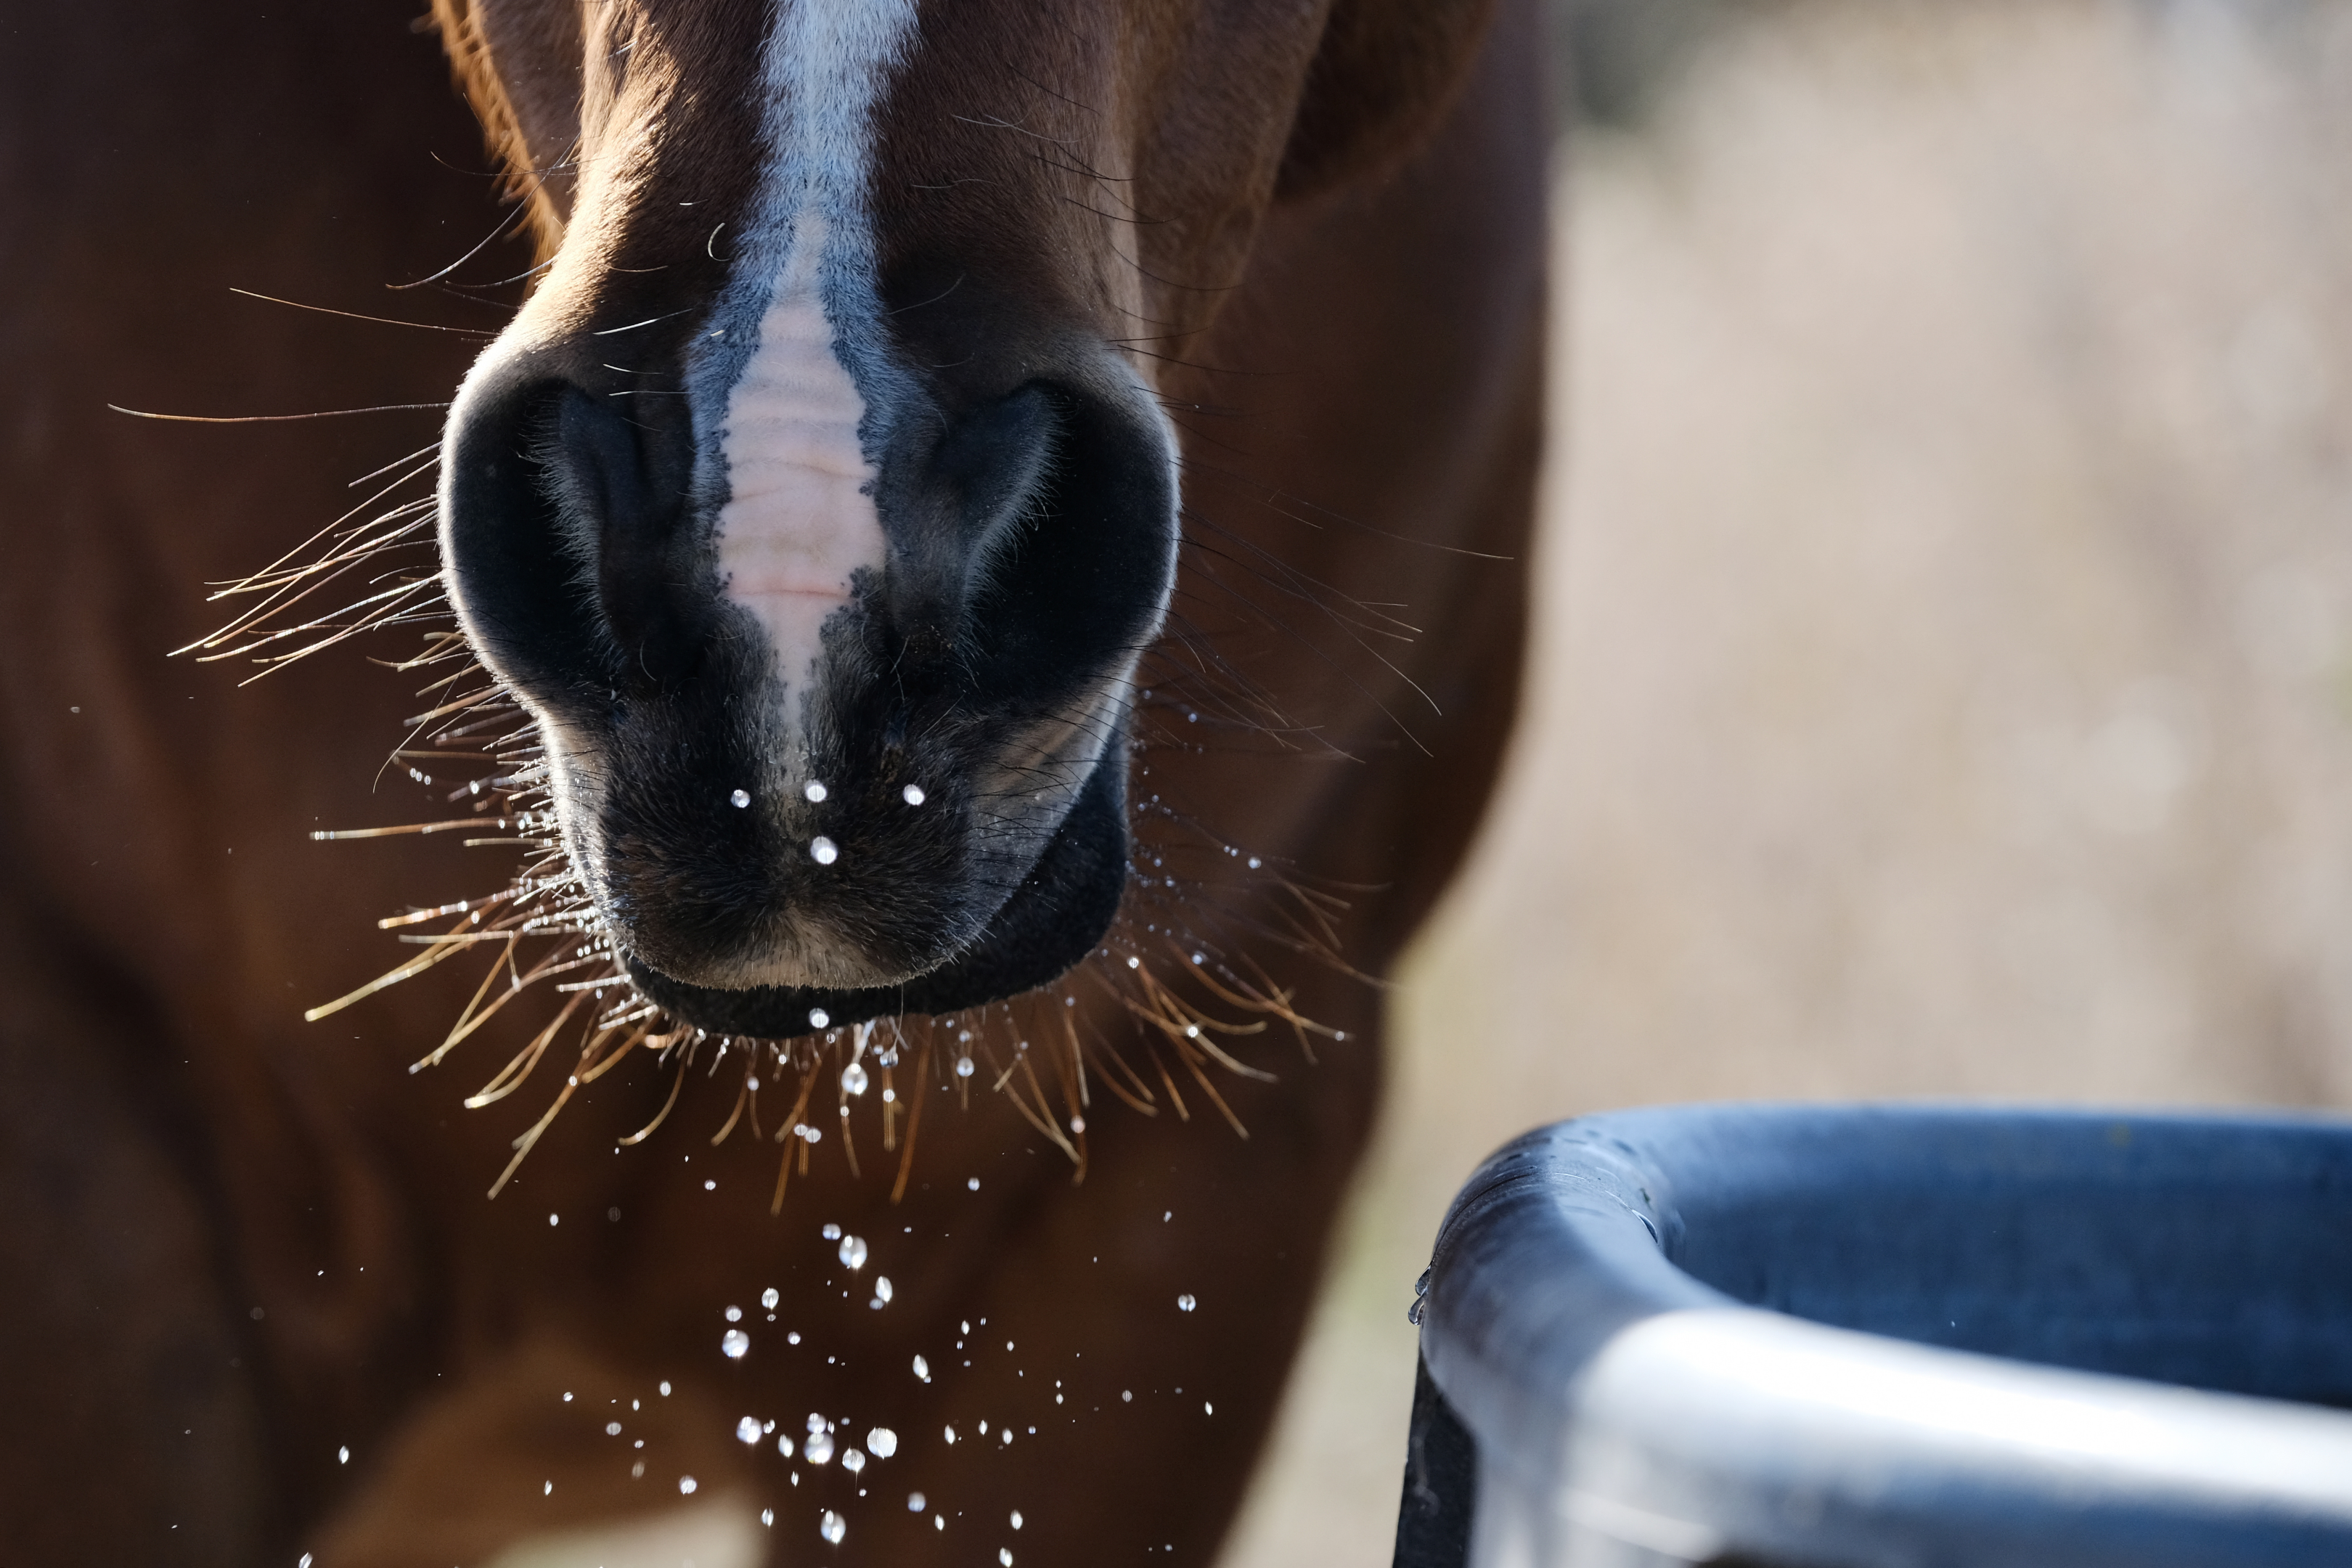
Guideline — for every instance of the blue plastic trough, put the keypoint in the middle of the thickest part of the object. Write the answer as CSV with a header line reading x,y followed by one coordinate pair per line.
x,y
1890,1336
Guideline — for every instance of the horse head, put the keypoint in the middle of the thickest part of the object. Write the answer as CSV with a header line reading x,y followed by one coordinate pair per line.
x,y
819,501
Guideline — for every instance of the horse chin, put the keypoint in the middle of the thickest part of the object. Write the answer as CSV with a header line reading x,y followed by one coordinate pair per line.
x,y
1053,921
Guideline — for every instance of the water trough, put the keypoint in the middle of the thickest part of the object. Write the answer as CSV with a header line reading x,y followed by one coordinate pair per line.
x,y
1890,1336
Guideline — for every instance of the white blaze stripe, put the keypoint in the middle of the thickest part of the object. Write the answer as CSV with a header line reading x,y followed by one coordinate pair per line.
x,y
797,522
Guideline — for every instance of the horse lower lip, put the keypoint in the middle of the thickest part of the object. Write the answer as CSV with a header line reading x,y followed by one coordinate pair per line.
x,y
1051,923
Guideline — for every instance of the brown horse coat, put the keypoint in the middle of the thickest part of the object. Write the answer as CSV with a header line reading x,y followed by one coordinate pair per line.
x,y
255,1303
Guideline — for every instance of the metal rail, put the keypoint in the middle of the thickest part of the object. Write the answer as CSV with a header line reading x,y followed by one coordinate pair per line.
x,y
1863,1336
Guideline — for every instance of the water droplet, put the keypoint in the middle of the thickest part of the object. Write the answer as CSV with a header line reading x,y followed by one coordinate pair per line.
x,y
768,1517
1004,1557
824,852
784,1444
818,1449
1420,1286
740,799
770,1298
342,1456
552,1219
922,1370
912,795
972,1183
852,1460
814,790
1185,1302
881,1289
1127,1397
1208,1409
735,1343
734,1314
1005,1433
853,1079
664,1389
613,1429
1016,1519
1135,963
793,1338
831,1232
853,1252
686,1485
819,1018
963,1066
1412,1313
833,1527
746,1430
882,1443
914,1502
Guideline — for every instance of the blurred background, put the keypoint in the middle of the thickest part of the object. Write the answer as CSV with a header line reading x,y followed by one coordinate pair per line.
x,y
1943,676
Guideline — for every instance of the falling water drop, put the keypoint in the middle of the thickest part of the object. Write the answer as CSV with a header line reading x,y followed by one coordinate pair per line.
x,y
784,1444
852,1460
1004,1557
814,791
824,850
831,1232
735,1343
770,1298
882,1443
853,1252
740,798
922,1370
914,1502
1185,1302
882,1291
734,1314
819,1018
912,795
833,1527
963,1066
748,1429
1016,1519
818,1449
853,1079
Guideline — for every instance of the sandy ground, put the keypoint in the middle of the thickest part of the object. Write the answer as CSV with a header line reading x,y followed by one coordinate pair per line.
x,y
1945,681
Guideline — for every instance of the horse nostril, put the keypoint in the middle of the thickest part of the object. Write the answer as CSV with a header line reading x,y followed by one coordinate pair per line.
x,y
562,524
959,506
621,514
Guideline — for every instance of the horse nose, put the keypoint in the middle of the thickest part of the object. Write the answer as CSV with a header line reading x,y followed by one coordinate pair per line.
x,y
563,528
